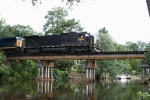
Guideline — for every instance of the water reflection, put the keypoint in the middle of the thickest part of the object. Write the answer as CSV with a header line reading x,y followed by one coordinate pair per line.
x,y
71,90
44,89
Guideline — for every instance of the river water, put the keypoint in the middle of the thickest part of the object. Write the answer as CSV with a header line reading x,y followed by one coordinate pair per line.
x,y
72,90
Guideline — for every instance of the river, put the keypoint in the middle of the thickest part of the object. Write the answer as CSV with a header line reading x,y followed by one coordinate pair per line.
x,y
72,90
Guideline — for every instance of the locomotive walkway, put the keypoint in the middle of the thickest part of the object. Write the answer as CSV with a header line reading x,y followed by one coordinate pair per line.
x,y
82,56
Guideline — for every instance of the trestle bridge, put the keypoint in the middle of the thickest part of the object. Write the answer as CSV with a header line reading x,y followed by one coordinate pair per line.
x,y
45,62
81,56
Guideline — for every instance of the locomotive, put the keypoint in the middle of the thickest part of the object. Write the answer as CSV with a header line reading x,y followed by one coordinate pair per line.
x,y
72,42
11,45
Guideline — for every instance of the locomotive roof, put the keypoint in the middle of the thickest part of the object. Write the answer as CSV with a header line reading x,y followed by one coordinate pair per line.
x,y
73,33
17,38
32,36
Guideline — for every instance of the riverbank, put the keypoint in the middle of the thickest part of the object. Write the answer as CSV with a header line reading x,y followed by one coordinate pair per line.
x,y
136,77
77,76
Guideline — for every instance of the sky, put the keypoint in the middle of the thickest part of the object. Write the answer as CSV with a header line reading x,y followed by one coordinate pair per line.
x,y
125,20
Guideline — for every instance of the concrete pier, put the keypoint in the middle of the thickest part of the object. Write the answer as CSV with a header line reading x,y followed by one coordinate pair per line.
x,y
90,70
45,70
145,72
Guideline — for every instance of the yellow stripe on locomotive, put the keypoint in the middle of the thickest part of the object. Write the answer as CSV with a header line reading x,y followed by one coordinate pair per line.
x,y
18,43
80,39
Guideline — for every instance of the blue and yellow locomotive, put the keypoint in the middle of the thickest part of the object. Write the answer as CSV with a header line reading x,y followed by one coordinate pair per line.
x,y
11,45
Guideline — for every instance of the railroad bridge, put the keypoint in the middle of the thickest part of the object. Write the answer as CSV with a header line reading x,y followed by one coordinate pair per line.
x,y
82,56
45,62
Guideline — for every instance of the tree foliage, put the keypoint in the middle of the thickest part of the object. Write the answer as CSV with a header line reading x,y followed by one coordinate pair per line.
x,y
105,40
23,70
57,23
2,57
15,30
110,67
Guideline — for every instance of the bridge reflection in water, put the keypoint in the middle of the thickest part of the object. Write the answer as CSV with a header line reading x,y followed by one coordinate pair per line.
x,y
85,91
45,88
90,89
72,90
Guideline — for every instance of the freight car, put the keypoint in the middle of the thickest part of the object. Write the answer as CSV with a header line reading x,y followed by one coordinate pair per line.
x,y
65,42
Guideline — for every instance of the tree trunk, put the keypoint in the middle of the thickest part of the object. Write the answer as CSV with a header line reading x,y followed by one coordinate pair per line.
x,y
69,66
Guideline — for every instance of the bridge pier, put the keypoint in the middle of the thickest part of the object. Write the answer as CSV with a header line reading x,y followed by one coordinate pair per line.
x,y
45,70
90,70
145,72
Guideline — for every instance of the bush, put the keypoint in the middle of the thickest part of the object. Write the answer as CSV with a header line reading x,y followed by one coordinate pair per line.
x,y
64,74
57,75
146,95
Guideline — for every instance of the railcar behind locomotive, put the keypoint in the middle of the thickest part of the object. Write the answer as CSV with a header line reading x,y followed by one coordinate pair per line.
x,y
65,42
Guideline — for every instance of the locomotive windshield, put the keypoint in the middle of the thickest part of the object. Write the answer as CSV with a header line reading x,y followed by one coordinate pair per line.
x,y
87,34
81,36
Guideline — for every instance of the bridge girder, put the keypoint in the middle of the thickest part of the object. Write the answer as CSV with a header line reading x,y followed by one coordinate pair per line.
x,y
80,57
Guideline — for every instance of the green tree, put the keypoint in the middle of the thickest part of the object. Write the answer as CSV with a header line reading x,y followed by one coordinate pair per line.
x,y
121,47
2,24
106,44
141,45
6,31
105,41
131,46
57,22
24,70
21,30
135,63
2,57
110,67
16,30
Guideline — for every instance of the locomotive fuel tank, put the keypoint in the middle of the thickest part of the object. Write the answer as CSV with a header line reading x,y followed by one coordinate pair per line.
x,y
46,50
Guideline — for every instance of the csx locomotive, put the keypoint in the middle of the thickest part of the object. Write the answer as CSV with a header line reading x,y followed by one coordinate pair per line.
x,y
65,42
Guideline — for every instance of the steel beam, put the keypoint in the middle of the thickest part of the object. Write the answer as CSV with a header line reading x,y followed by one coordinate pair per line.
x,y
80,57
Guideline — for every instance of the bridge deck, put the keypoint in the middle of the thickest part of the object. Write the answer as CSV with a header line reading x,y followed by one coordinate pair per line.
x,y
93,56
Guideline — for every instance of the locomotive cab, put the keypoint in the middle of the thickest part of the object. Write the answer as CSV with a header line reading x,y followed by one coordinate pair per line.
x,y
19,42
90,40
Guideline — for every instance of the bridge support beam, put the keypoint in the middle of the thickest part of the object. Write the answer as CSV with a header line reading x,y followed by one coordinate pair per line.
x,y
144,79
145,72
45,70
90,70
